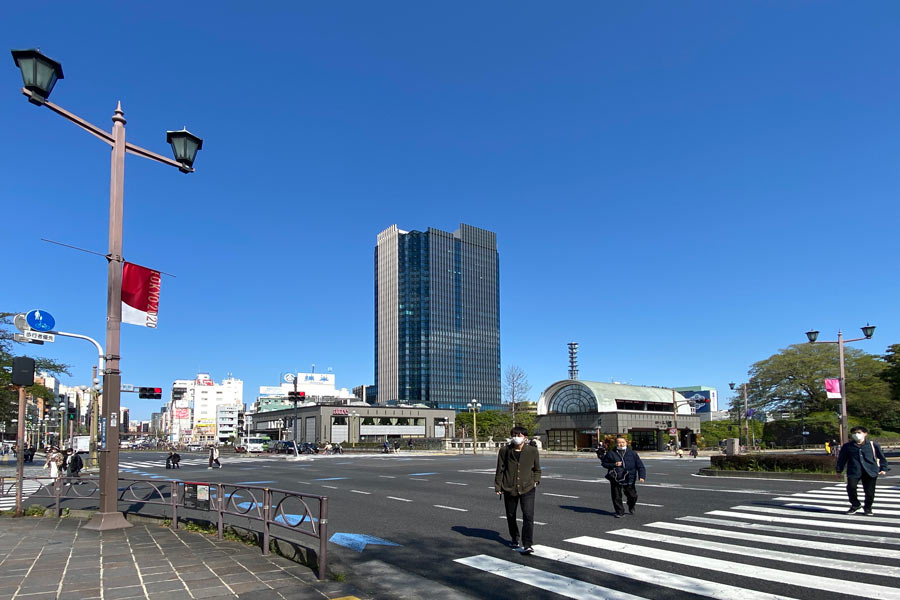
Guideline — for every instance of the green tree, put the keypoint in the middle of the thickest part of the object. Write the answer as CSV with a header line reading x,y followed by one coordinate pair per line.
x,y
891,376
9,397
794,379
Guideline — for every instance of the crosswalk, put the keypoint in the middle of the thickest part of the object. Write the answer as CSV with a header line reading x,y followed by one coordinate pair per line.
x,y
143,465
797,546
8,501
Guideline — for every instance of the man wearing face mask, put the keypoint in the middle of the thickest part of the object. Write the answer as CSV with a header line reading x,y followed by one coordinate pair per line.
x,y
623,460
864,462
518,475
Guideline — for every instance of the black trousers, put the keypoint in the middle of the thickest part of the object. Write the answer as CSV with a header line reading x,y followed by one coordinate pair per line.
x,y
868,490
527,502
616,489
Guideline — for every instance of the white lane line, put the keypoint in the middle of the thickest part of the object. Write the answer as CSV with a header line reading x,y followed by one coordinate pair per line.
x,y
776,555
360,492
822,507
331,487
559,495
520,520
879,498
400,499
691,585
455,483
859,526
820,514
837,586
648,504
796,531
558,584
419,479
451,508
845,503
387,476
774,540
304,482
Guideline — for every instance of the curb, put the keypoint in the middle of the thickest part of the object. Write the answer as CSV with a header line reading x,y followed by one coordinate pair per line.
x,y
773,475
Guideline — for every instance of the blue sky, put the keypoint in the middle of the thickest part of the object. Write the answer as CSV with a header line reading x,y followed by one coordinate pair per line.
x,y
684,188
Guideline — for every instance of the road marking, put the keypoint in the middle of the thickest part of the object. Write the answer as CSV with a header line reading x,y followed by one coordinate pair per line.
x,y
418,474
776,555
329,478
333,487
834,535
837,586
558,584
456,483
451,508
400,499
387,476
822,507
818,500
252,482
520,520
360,492
775,540
860,525
692,585
419,479
820,513
559,495
648,504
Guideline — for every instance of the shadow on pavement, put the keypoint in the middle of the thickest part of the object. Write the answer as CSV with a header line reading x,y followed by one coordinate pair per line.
x,y
587,510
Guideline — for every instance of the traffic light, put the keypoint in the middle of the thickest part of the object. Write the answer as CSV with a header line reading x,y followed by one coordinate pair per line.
x,y
23,371
296,396
72,413
150,393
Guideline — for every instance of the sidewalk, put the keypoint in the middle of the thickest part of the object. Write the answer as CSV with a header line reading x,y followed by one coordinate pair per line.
x,y
45,558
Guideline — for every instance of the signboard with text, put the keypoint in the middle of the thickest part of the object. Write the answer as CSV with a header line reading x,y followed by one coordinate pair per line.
x,y
196,495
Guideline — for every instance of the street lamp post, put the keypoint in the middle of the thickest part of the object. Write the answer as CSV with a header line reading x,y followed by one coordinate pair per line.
x,y
746,419
39,75
353,415
813,337
675,405
474,406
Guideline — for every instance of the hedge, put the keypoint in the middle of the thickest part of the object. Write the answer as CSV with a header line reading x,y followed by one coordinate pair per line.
x,y
815,463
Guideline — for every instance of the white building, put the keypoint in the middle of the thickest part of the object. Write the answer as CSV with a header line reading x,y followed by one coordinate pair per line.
x,y
317,387
194,407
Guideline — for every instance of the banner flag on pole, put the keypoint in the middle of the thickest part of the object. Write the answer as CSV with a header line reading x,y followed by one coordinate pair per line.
x,y
833,388
140,295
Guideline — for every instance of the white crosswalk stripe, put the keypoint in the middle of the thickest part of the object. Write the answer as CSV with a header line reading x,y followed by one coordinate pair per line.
x,y
803,543
8,501
190,462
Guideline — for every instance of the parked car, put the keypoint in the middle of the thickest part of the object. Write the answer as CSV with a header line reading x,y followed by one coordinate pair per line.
x,y
194,447
281,447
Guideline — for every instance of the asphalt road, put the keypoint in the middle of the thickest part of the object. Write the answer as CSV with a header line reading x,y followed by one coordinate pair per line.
x,y
448,525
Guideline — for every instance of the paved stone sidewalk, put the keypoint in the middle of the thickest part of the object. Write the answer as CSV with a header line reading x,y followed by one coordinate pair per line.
x,y
45,558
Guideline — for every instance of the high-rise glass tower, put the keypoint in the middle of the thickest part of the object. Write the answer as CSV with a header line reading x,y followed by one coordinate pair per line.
x,y
437,317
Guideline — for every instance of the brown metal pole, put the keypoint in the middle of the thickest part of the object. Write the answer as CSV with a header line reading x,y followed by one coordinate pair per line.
x,y
20,451
109,517
95,408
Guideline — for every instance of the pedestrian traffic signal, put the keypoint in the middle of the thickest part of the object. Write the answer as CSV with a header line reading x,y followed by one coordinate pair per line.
x,y
150,393
72,413
23,371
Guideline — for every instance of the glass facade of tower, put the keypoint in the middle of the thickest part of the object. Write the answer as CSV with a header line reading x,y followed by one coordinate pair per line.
x,y
437,317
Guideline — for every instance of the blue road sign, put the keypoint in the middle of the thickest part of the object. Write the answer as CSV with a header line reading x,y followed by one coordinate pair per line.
x,y
358,541
40,320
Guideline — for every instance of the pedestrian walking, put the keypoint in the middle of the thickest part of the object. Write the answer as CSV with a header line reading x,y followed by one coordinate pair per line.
x,y
75,465
214,457
516,480
680,452
409,445
834,448
694,451
387,447
864,462
172,460
54,462
625,470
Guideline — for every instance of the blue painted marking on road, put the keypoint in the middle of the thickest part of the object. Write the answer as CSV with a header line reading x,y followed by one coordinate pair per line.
x,y
420,474
329,478
252,482
358,541
293,520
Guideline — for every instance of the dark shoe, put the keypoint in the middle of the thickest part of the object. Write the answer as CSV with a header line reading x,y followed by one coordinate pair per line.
x,y
631,510
868,513
514,544
528,550
852,510
618,516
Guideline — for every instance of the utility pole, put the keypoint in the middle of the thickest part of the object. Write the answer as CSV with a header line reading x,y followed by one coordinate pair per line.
x,y
20,451
95,410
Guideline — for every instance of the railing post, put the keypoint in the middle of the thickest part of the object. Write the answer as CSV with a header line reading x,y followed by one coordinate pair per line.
x,y
174,504
58,487
220,502
267,496
323,538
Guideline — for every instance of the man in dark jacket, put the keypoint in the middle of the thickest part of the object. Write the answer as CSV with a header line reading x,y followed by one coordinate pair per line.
x,y
625,469
864,461
518,475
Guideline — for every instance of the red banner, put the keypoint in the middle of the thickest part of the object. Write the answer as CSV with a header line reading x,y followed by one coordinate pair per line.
x,y
140,295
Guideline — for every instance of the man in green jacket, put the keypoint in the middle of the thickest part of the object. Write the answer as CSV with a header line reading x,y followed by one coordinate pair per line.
x,y
518,475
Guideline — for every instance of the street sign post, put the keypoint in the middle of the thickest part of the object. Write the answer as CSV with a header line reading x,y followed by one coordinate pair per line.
x,y
38,336
40,320
673,431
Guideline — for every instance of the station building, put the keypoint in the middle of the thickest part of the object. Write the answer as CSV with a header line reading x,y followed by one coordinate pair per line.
x,y
357,422
574,414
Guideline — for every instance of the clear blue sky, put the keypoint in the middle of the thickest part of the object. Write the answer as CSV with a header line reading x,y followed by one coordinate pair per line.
x,y
684,187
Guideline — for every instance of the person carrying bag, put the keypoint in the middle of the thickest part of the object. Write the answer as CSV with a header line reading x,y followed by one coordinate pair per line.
x,y
625,470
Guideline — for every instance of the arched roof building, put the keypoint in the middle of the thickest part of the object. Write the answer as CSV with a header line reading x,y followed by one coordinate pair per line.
x,y
575,414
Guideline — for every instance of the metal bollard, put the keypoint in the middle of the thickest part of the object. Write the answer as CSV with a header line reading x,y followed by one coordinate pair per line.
x,y
323,538
221,502
267,500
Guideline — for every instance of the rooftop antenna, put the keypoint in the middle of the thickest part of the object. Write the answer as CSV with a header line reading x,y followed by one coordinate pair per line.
x,y
313,368
573,360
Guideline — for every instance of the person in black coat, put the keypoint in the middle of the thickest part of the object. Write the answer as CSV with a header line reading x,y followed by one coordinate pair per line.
x,y
864,462
625,470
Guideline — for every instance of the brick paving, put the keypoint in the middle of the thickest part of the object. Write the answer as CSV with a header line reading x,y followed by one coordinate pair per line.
x,y
45,558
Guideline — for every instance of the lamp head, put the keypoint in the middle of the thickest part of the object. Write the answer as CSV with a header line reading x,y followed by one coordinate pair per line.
x,y
812,335
185,146
39,73
731,385
868,331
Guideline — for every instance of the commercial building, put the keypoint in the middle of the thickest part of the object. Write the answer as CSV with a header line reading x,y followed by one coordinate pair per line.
x,y
706,398
316,387
193,410
575,414
354,423
437,317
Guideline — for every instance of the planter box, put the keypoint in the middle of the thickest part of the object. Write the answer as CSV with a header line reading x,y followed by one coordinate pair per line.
x,y
774,475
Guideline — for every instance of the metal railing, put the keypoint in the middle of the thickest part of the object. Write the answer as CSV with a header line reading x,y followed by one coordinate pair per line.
x,y
275,509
